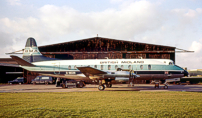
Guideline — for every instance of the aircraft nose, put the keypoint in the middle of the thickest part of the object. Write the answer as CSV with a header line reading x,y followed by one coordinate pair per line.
x,y
185,73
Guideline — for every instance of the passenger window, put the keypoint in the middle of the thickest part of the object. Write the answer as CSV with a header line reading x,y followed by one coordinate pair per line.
x,y
129,67
75,67
95,66
149,67
109,67
141,67
69,67
121,66
116,66
101,67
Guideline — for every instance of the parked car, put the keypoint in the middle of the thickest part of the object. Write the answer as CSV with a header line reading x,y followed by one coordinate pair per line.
x,y
43,80
19,80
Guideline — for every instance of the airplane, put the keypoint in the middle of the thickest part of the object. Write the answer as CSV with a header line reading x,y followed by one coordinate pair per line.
x,y
103,70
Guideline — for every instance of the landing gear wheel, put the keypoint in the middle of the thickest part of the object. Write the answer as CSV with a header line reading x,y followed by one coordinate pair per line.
x,y
46,83
108,85
77,86
165,87
63,86
156,85
81,86
101,87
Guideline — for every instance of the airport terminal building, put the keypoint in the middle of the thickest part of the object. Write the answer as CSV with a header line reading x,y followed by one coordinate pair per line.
x,y
91,48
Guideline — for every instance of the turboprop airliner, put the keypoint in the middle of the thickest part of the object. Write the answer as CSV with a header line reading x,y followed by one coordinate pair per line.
x,y
103,70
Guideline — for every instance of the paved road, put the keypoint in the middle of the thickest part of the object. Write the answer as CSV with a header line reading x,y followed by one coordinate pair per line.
x,y
118,87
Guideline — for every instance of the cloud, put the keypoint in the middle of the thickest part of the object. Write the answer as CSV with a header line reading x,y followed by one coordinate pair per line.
x,y
136,18
14,2
51,21
4,43
191,60
116,1
196,46
140,21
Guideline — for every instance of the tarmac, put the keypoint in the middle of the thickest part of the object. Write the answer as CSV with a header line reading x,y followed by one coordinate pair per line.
x,y
115,87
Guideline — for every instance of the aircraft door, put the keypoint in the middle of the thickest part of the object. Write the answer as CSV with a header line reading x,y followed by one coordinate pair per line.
x,y
56,68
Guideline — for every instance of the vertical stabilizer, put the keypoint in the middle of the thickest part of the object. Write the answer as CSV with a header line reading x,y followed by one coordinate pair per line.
x,y
31,52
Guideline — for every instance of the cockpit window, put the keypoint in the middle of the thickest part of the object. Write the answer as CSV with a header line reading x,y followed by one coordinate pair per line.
x,y
170,63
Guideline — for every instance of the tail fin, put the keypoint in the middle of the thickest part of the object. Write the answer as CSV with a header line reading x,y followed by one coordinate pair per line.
x,y
31,52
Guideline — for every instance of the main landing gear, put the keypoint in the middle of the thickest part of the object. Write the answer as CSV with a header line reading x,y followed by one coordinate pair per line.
x,y
108,84
157,85
101,86
166,85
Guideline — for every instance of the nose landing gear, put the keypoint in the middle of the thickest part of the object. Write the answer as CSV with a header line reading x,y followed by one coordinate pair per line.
x,y
166,85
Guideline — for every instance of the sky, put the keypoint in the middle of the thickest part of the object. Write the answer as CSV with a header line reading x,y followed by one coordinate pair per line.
x,y
176,23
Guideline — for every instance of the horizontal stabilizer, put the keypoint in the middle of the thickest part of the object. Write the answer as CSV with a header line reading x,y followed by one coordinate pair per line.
x,y
90,70
21,61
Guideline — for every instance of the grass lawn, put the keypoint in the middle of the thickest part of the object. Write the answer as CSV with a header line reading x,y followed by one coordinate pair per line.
x,y
101,104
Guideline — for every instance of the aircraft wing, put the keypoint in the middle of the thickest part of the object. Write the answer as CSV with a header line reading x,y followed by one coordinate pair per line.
x,y
90,71
87,71
66,76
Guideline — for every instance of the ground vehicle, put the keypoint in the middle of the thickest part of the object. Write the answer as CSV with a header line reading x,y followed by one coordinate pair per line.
x,y
43,80
69,83
19,80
